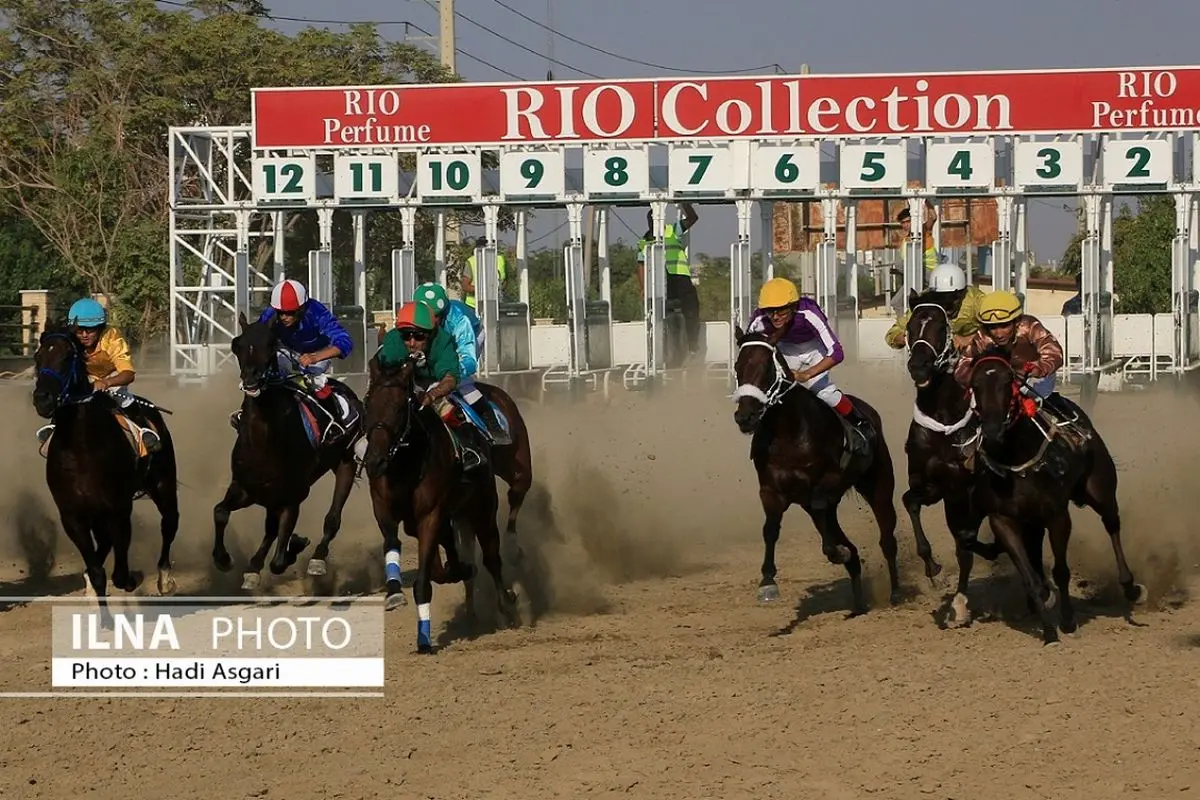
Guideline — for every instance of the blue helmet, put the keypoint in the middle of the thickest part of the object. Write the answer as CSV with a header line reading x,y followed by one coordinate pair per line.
x,y
87,313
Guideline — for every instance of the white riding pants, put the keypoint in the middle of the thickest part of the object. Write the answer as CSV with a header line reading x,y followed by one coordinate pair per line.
x,y
803,356
315,372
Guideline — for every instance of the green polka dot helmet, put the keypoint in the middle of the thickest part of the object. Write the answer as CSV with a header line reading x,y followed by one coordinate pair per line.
x,y
434,295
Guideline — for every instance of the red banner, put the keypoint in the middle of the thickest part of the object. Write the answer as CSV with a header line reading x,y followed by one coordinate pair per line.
x,y
1061,101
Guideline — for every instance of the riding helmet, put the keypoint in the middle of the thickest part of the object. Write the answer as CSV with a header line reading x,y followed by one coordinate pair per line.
x,y
288,296
417,314
998,308
87,313
434,295
777,293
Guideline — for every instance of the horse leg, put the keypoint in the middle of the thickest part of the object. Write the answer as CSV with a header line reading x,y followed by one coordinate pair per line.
x,y
287,546
250,577
428,530
1060,535
964,524
838,548
1100,494
773,505
1009,535
1034,535
119,530
390,528
166,500
878,491
343,477
914,499
488,536
95,582
235,499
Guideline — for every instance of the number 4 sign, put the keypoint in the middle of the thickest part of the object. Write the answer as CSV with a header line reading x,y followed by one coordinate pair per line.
x,y
960,166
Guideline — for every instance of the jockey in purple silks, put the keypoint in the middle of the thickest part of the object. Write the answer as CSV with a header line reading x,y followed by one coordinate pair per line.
x,y
810,347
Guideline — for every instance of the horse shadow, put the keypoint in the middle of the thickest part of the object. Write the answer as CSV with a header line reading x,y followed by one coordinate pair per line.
x,y
1000,598
820,598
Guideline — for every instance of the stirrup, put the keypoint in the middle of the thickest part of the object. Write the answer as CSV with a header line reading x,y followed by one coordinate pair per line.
x,y
235,419
471,459
44,433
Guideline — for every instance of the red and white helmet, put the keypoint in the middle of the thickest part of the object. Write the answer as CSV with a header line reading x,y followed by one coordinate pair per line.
x,y
288,296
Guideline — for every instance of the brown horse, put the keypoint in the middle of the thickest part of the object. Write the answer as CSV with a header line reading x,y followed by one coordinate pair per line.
x,y
513,462
92,470
1029,473
416,480
274,464
800,448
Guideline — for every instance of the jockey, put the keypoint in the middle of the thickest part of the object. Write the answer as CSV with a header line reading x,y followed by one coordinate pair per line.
x,y
456,318
944,280
109,365
417,330
1002,324
305,326
809,347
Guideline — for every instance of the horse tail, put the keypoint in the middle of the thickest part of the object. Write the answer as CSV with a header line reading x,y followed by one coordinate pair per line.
x,y
512,463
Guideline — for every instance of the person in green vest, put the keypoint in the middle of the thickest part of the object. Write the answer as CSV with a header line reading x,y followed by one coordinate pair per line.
x,y
468,281
679,273
930,255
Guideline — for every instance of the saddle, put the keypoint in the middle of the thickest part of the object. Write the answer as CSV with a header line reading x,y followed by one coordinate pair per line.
x,y
321,424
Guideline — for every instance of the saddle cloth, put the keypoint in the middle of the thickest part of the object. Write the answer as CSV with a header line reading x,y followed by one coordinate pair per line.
x,y
133,435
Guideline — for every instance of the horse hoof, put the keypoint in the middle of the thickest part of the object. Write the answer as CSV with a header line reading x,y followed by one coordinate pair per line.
x,y
1068,626
768,593
166,584
394,601
425,649
1053,643
250,581
1051,599
960,612
223,561
896,597
317,567
1136,593
279,569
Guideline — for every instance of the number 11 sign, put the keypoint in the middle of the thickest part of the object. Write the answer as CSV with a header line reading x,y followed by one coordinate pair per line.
x,y
365,178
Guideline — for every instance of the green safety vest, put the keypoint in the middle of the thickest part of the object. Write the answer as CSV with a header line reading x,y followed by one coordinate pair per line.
x,y
501,270
674,253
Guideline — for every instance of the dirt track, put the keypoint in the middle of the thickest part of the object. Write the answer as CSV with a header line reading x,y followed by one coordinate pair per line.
x,y
654,673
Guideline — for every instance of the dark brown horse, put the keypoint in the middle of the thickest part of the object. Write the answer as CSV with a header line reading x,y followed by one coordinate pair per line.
x,y
513,462
941,439
417,481
801,452
279,455
1022,499
94,473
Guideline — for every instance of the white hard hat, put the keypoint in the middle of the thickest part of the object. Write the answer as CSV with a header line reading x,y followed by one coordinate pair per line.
x,y
947,278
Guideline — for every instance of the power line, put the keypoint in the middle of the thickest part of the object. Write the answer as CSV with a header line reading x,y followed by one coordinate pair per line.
x,y
620,57
517,44
406,23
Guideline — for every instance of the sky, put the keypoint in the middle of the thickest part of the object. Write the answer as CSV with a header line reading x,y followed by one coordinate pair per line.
x,y
715,37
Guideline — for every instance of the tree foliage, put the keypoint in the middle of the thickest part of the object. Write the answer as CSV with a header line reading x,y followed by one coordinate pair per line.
x,y
1141,255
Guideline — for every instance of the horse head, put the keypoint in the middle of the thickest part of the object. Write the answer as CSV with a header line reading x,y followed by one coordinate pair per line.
x,y
388,411
930,343
61,369
762,376
996,390
255,348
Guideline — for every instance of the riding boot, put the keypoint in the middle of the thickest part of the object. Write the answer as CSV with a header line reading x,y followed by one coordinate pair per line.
x,y
150,438
327,399
486,413
860,421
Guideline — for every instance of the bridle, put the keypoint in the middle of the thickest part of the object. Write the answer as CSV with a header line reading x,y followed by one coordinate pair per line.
x,y
397,439
68,380
1014,410
945,358
781,385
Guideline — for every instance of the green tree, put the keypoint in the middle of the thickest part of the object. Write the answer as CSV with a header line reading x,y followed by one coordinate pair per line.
x,y
1141,253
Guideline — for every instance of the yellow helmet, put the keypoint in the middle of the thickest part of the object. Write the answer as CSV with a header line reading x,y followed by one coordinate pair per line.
x,y
998,308
777,293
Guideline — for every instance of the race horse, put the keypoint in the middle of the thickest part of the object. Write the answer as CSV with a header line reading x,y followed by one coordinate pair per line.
x,y
95,467
802,451
416,480
285,443
941,438
1031,466
512,462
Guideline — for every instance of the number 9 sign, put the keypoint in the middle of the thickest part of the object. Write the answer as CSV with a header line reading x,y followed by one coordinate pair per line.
x,y
532,175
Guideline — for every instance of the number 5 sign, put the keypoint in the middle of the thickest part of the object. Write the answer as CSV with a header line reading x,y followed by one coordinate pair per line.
x,y
284,180
869,167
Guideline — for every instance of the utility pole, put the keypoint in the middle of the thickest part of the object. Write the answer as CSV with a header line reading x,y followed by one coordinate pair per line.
x,y
447,49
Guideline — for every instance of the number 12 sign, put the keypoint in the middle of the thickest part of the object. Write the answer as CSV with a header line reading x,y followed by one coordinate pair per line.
x,y
284,180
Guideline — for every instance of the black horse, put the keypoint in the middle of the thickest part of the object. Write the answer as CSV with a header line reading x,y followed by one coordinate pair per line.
x,y
282,450
800,448
941,440
1022,499
94,471
417,481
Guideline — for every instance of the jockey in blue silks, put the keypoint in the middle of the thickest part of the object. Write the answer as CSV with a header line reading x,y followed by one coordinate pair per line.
x,y
457,319
310,337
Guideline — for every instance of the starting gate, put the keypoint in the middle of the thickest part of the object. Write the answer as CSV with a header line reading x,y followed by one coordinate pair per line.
x,y
1097,134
